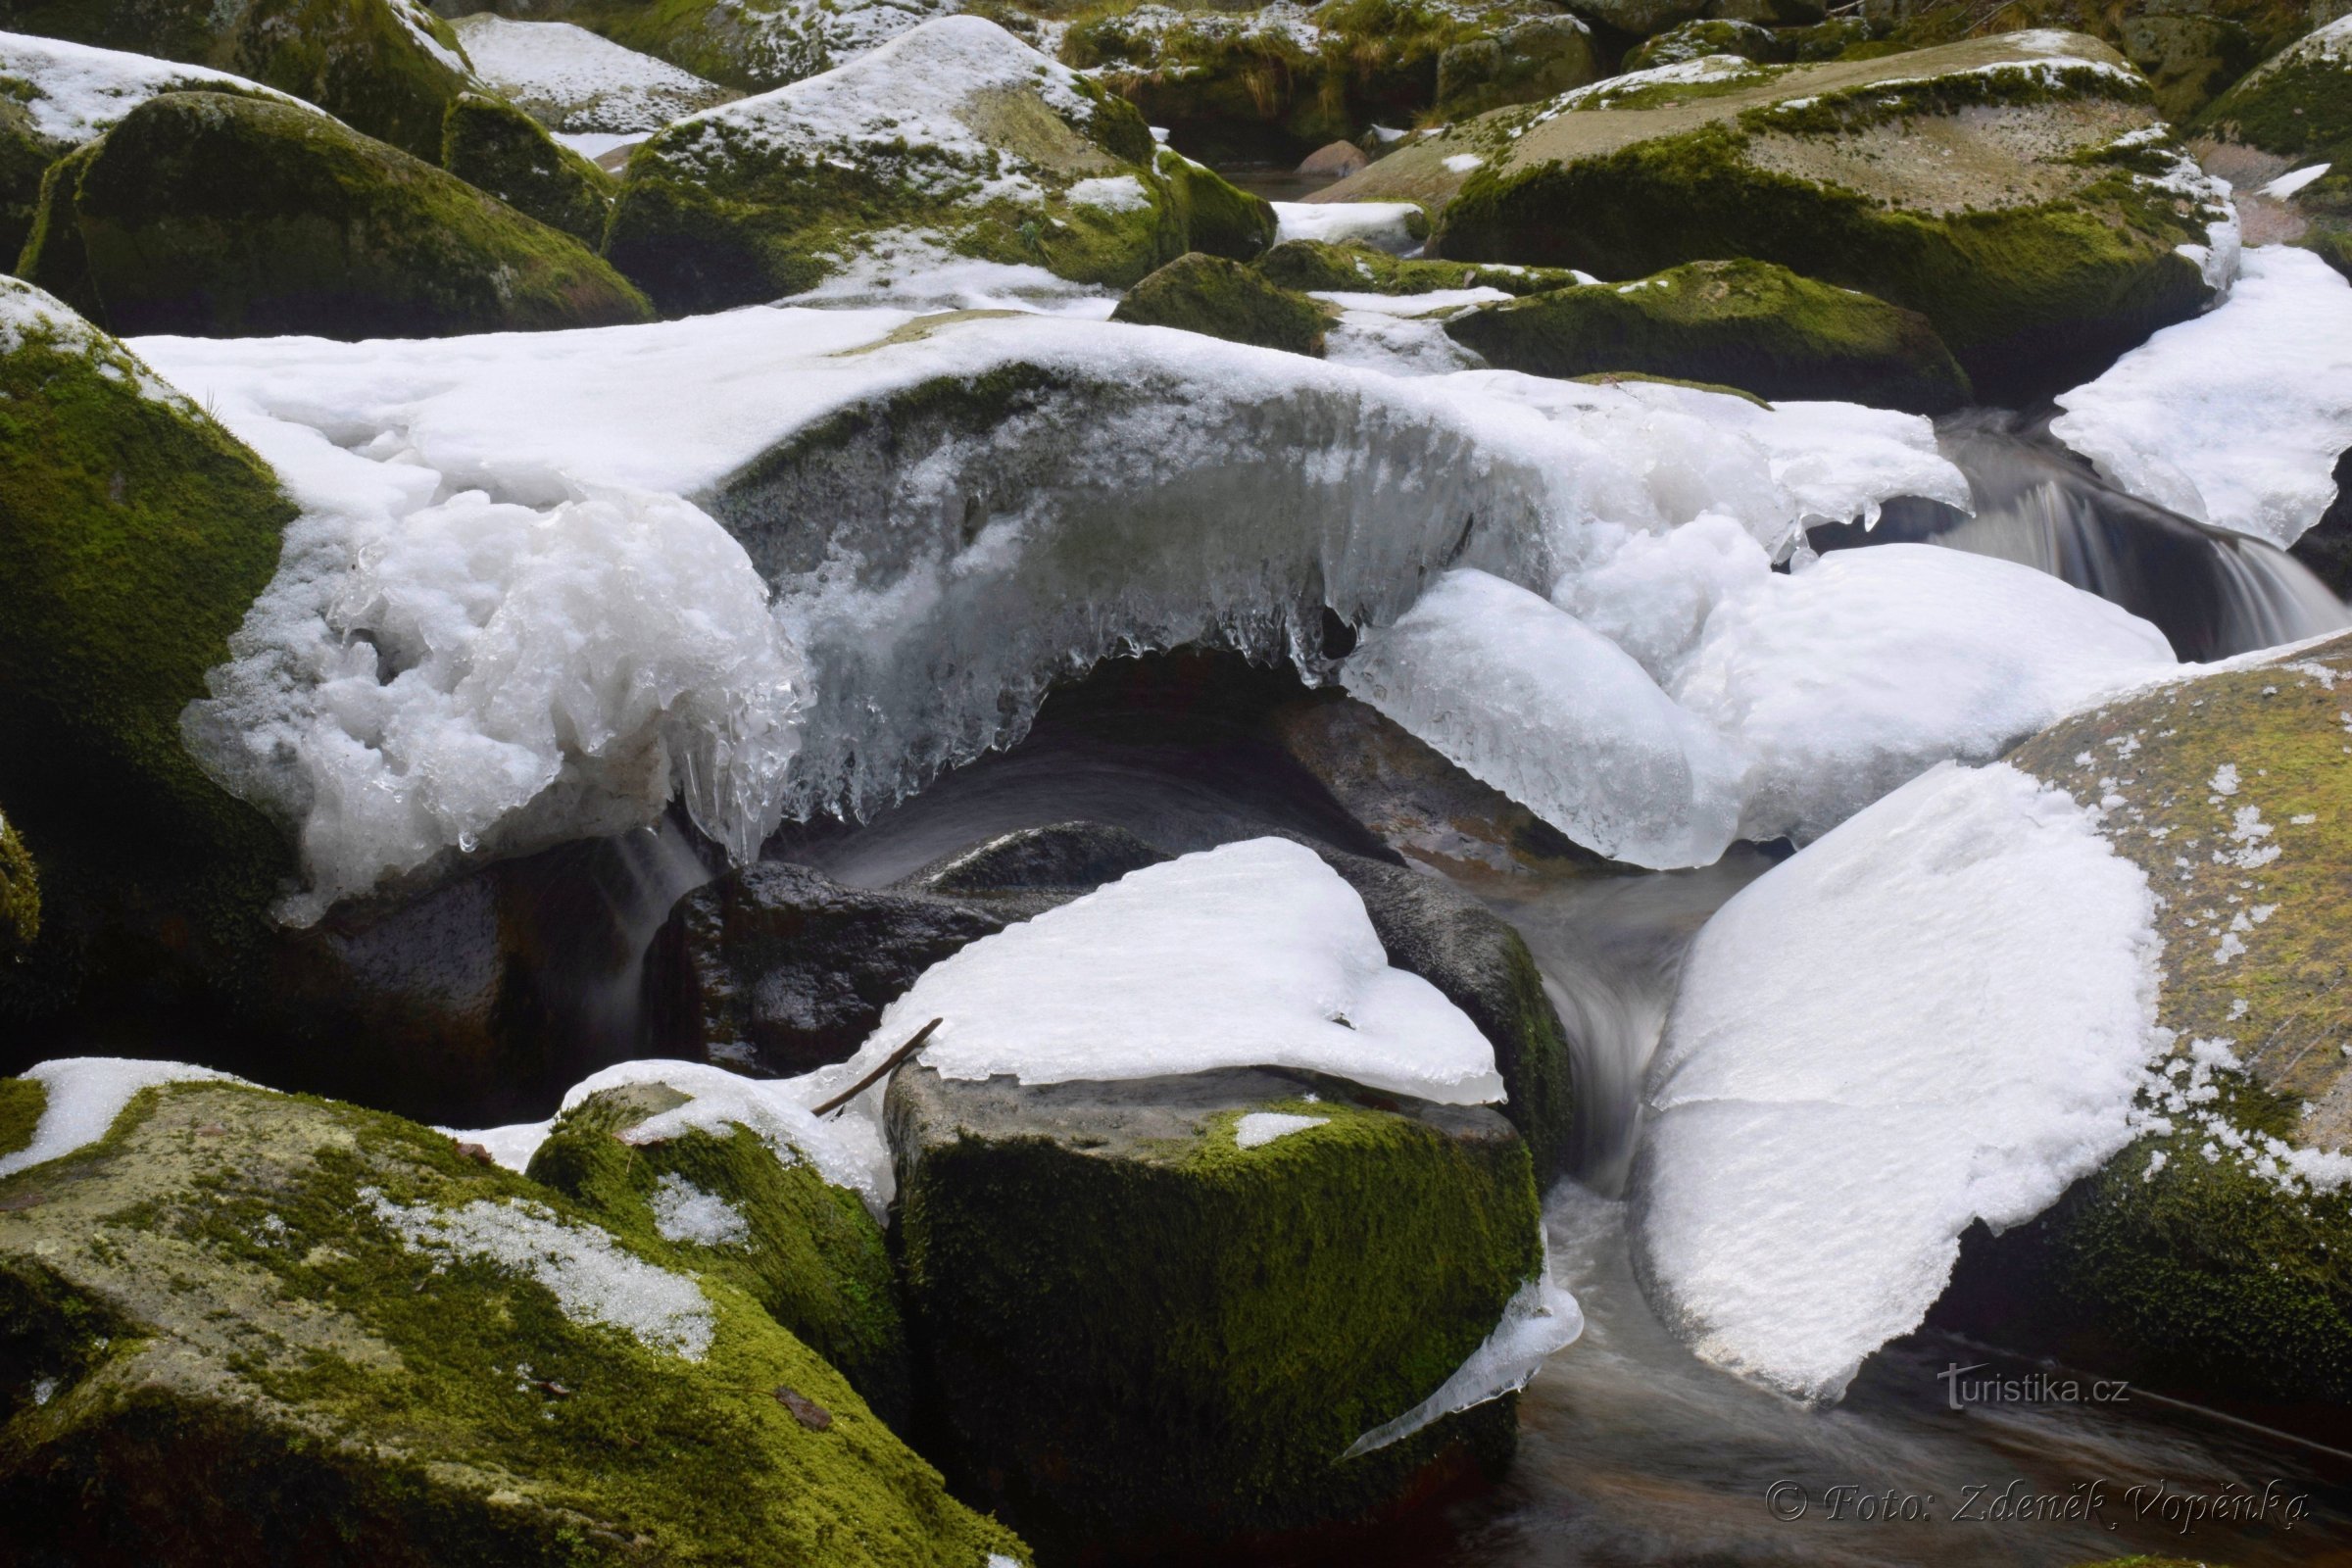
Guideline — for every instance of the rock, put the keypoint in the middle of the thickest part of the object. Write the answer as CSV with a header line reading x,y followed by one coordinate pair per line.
x,y
805,1250
1035,864
1522,63
747,45
2208,1256
20,893
1215,217
387,68
217,216
2326,544
1769,13
2188,54
955,137
248,1322
1640,17
1140,1333
1336,160
1745,325
494,147
2298,103
1312,265
1225,299
1695,40
2015,190
568,78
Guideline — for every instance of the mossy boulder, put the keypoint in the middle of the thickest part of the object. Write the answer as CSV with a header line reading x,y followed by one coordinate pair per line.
x,y
748,45
497,148
1225,299
225,217
2019,193
1140,1333
1695,40
2298,102
1216,216
388,69
1745,324
244,1324
1520,63
1313,266
570,84
2214,1253
20,893
956,137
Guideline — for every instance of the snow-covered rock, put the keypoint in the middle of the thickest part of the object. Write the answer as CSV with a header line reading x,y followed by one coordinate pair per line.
x,y
570,79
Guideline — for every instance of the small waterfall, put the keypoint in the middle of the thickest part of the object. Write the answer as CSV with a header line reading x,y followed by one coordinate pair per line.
x,y
2212,592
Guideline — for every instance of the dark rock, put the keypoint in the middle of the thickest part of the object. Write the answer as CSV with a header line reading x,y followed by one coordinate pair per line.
x,y
2326,544
1060,859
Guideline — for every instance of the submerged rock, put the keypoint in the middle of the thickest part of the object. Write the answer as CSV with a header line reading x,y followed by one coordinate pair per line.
x,y
1225,299
1745,325
1159,1312
494,147
388,69
217,216
244,1323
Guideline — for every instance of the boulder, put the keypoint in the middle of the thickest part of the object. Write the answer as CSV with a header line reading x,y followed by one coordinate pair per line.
x,y
1148,1324
568,78
388,69
1225,299
20,893
245,1323
1697,40
2018,192
1215,217
1316,266
1518,64
1034,868
956,137
1336,161
2298,103
2210,1255
221,216
497,148
2189,54
1746,324
747,45
761,1218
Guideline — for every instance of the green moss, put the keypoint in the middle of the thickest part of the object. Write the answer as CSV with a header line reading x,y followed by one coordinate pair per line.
x,y
355,59
1224,298
1139,1331
280,1369
212,215
20,893
1740,323
1217,218
1523,63
21,1101
494,147
813,1257
138,532
1694,39
1313,266
2299,103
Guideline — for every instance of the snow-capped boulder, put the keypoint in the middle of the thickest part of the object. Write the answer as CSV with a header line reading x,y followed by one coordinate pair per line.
x,y
1225,299
1748,324
387,68
2017,190
212,215
242,1293
2298,103
570,79
956,137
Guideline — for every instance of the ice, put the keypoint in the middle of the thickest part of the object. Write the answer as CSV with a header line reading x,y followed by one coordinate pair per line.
x,y
1539,1322
1556,715
1383,225
573,80
84,1096
2235,418
1939,1014
1260,1128
71,91
685,1213
592,1279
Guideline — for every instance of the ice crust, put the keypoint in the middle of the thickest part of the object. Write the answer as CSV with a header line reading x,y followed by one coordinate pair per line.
x,y
86,1094
2235,418
1537,1323
77,91
1940,1013
578,81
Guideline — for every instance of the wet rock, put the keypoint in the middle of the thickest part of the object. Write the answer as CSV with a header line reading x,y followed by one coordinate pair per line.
x,y
1034,865
1142,1334
1227,300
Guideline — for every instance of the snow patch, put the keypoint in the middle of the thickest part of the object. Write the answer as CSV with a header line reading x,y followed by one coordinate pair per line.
x,y
1383,225
77,91
575,81
84,1096
685,1213
1261,1127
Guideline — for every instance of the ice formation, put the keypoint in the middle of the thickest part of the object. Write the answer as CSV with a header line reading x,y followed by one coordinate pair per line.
x,y
1558,718
71,91
1939,1014
1540,1321
577,81
86,1094
2235,418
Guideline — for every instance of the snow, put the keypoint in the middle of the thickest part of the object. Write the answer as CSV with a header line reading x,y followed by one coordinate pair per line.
x,y
1261,1127
1541,1320
594,144
575,81
1463,163
1939,1013
1556,715
2235,418
2287,184
84,1096
78,91
1383,225
592,1279
1115,193
685,1213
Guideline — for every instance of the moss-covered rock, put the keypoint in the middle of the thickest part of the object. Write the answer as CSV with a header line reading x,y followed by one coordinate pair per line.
x,y
2017,194
221,216
388,69
2215,1252
1695,40
955,137
805,1250
1748,325
1641,19
1139,1332
1517,64
2298,102
1313,266
494,147
1224,298
20,893
1216,216
748,45
244,1324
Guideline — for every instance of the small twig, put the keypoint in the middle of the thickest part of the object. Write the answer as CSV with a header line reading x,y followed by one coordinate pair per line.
x,y
881,1072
